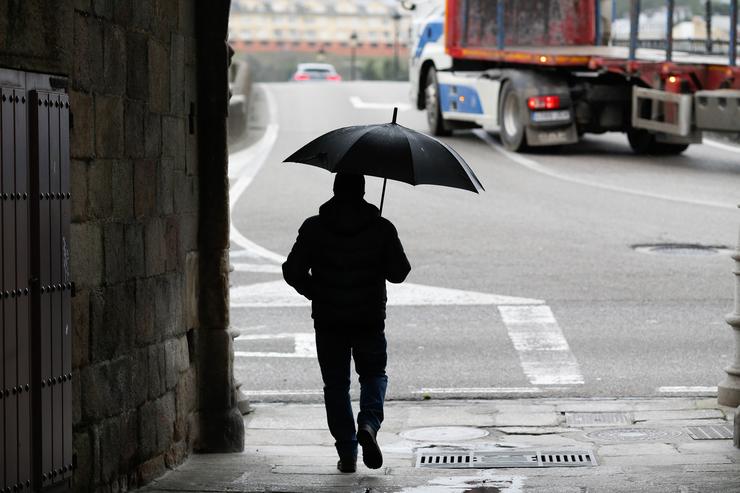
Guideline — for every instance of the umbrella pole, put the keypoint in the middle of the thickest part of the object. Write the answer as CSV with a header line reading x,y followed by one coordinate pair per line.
x,y
382,197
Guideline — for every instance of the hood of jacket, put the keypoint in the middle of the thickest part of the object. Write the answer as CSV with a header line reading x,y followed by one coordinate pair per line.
x,y
347,217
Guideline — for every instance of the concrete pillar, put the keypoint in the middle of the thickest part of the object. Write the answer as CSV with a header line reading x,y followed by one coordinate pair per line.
x,y
729,389
221,425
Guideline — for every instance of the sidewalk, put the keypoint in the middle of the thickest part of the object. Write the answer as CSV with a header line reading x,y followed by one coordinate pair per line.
x,y
638,444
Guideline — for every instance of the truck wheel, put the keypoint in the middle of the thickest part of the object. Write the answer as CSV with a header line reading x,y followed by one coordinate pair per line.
x,y
511,120
643,142
670,149
431,101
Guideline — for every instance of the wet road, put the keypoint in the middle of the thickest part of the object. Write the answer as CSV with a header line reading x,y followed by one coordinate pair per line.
x,y
534,287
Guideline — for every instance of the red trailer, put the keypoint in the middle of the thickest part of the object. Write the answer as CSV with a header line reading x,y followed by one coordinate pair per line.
x,y
541,72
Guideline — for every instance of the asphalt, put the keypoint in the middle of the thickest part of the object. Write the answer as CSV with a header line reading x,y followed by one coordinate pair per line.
x,y
557,225
646,448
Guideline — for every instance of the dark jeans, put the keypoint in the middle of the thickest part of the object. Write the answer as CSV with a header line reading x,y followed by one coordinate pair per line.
x,y
336,345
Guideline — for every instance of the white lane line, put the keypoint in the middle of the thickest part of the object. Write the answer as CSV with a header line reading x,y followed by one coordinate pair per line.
x,y
246,267
543,351
478,390
720,145
687,390
539,168
258,393
246,165
304,345
364,105
277,294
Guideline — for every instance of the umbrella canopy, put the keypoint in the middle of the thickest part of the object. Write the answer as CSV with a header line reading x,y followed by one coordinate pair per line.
x,y
389,151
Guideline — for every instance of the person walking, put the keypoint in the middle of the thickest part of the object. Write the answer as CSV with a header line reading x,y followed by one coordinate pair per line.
x,y
341,260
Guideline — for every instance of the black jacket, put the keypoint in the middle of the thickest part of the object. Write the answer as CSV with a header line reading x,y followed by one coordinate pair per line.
x,y
341,260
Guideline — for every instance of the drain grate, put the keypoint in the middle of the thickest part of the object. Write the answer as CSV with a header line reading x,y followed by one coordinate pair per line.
x,y
633,434
597,419
505,459
710,432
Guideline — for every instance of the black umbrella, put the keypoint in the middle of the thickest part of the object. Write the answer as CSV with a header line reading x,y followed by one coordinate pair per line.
x,y
389,151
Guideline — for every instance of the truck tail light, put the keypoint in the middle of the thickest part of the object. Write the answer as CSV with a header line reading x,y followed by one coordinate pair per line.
x,y
543,102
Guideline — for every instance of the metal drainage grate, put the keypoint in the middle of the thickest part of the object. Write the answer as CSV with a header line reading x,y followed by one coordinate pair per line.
x,y
633,434
710,432
681,249
505,459
597,419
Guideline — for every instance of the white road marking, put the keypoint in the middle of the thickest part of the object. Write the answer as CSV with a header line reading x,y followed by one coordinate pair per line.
x,y
720,145
478,390
543,351
539,168
687,390
246,267
277,294
304,345
364,105
258,393
244,165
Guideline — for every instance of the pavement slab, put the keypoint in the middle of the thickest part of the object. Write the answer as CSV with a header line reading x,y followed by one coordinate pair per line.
x,y
288,449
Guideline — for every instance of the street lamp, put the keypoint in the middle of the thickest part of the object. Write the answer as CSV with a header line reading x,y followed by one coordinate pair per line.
x,y
396,18
353,53
708,24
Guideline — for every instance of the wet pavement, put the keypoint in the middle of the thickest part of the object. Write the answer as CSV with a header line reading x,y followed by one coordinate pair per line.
x,y
548,445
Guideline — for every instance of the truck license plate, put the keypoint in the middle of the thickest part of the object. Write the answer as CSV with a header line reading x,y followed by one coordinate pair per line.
x,y
550,116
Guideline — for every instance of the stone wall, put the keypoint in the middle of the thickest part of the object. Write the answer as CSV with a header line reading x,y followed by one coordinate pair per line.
x,y
137,248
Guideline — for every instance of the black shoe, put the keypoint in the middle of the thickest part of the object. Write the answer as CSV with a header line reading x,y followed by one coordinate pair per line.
x,y
347,465
371,454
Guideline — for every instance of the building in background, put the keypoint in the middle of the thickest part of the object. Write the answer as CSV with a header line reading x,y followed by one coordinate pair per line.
x,y
369,27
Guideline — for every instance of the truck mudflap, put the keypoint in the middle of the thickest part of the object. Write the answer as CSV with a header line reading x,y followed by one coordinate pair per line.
x,y
718,110
550,136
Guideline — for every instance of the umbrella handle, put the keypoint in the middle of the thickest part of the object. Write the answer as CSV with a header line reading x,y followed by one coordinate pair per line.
x,y
382,197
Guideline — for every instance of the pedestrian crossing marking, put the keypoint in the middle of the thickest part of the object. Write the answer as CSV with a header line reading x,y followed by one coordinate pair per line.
x,y
278,294
304,345
543,351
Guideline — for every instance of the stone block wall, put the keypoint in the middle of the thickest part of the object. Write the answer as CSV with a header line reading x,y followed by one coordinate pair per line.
x,y
137,248
135,219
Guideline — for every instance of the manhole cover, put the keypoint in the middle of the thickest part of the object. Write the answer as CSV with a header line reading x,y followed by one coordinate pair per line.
x,y
681,249
444,434
597,419
633,435
710,432
513,458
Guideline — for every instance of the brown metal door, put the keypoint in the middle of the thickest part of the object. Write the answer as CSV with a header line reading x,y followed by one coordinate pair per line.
x,y
35,285
51,297
15,375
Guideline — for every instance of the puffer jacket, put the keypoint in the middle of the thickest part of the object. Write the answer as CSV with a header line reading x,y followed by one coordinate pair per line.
x,y
341,260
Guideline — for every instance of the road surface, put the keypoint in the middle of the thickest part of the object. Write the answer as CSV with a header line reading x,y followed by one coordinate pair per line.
x,y
546,284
